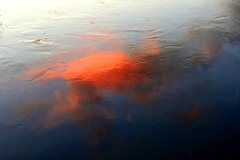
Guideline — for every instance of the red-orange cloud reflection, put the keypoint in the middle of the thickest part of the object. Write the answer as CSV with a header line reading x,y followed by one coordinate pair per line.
x,y
72,108
112,70
104,70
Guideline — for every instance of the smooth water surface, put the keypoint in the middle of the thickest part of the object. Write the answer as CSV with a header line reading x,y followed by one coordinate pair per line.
x,y
119,79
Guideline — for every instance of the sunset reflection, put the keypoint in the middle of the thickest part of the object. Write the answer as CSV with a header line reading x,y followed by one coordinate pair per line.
x,y
119,79
111,70
98,73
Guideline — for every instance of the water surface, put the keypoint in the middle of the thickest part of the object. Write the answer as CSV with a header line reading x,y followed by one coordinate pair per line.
x,y
119,79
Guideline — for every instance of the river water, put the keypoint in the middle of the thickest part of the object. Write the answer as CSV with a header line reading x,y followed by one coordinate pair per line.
x,y
119,79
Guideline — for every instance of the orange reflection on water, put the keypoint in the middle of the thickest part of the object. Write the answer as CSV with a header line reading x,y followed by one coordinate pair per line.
x,y
110,70
104,70
88,77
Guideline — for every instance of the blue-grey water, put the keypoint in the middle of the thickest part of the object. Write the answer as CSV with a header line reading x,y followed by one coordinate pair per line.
x,y
119,79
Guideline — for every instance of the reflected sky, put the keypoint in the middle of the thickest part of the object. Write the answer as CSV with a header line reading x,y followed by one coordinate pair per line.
x,y
100,74
106,48
99,79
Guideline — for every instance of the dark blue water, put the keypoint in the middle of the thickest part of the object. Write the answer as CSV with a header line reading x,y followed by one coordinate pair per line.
x,y
116,79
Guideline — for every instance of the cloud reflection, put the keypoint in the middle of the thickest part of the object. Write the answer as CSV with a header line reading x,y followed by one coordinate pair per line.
x,y
97,75
100,72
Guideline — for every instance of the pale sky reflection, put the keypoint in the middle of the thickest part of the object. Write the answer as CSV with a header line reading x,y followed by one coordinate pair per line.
x,y
18,12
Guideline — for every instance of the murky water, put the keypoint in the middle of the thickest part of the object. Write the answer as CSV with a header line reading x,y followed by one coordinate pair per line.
x,y
119,79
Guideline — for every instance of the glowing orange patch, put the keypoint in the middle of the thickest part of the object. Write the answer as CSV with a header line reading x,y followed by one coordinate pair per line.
x,y
103,70
99,69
